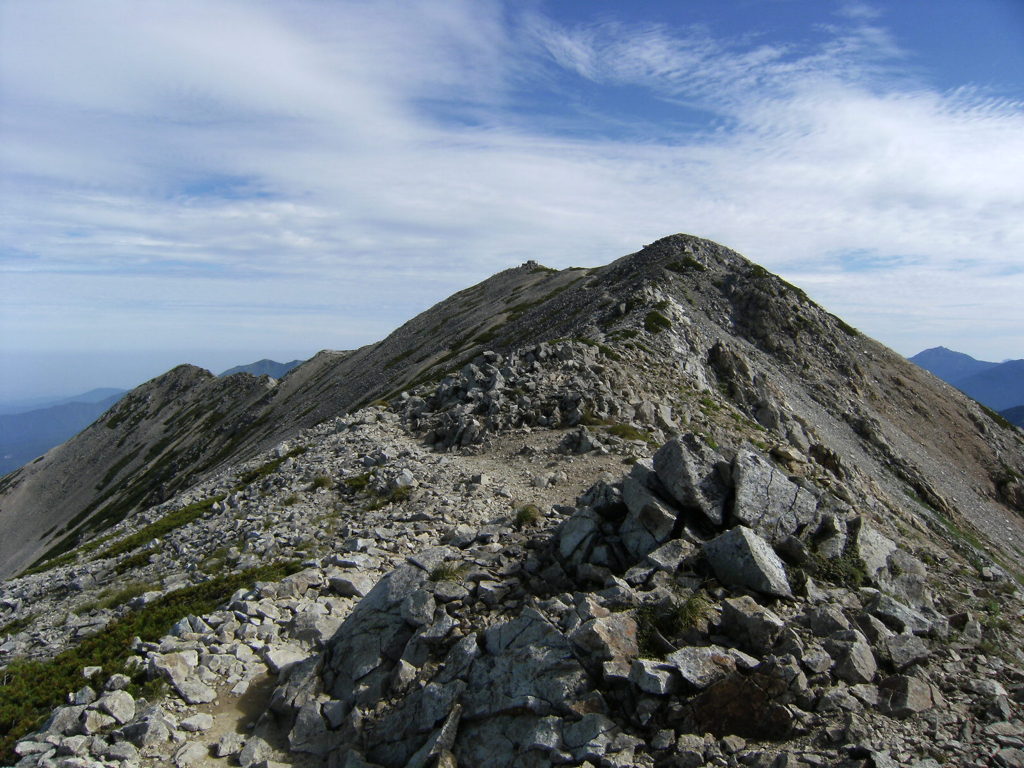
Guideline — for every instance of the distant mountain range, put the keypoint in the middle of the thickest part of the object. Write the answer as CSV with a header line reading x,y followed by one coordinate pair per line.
x,y
23,436
999,386
29,428
264,367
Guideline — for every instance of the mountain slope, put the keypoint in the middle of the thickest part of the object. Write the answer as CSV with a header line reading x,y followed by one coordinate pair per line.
x,y
700,314
999,387
948,365
23,436
264,367
663,512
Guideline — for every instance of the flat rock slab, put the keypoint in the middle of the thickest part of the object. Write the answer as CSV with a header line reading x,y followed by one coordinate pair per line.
x,y
688,468
766,501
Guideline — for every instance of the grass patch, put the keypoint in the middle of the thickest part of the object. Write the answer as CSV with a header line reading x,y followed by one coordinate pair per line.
x,y
30,690
685,265
526,516
394,496
15,626
847,570
138,560
628,432
358,482
113,598
658,629
655,322
321,481
449,572
161,527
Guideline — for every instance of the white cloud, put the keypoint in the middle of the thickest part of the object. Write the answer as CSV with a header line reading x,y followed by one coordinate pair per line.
x,y
333,162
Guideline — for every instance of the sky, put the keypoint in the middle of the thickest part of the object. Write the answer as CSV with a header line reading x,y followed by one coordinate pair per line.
x,y
218,181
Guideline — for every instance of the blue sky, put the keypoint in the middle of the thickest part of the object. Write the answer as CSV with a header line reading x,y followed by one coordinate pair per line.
x,y
219,181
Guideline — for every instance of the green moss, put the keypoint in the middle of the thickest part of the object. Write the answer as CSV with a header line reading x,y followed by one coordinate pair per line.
x,y
15,626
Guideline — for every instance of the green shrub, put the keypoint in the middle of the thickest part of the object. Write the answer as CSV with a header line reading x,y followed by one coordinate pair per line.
x,y
321,481
161,527
655,322
30,690
527,515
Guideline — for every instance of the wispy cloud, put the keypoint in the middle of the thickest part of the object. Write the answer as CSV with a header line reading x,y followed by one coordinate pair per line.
x,y
364,160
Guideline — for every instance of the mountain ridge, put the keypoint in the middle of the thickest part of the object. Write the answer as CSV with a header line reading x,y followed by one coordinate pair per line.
x,y
733,299
663,512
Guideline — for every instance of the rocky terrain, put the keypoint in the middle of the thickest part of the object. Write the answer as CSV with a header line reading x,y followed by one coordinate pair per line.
x,y
693,520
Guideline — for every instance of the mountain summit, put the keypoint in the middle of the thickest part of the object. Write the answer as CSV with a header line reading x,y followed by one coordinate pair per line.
x,y
667,511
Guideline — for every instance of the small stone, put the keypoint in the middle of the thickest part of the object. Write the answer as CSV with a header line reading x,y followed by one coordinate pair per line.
x,y
229,744
190,755
199,722
653,677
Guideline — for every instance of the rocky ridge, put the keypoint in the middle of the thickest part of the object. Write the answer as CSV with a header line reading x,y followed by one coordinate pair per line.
x,y
637,546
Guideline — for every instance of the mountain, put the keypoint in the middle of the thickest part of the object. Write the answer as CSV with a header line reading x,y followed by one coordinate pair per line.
x,y
24,436
948,365
995,385
999,387
667,511
264,368
1014,415
40,403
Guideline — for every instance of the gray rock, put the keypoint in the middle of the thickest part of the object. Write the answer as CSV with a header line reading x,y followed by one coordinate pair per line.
x,y
752,626
352,584
229,744
94,721
608,638
119,705
122,752
903,650
255,751
147,731
854,660
691,473
903,695
528,665
701,666
739,557
359,659
898,616
191,754
65,720
195,692
578,535
654,676
766,501
198,722
649,521
280,657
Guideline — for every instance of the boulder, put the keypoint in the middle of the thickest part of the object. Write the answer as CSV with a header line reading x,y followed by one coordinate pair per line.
x,y
766,501
752,626
741,558
692,473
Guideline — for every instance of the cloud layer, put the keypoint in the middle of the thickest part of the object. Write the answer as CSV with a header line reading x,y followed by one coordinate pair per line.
x,y
237,175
